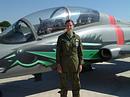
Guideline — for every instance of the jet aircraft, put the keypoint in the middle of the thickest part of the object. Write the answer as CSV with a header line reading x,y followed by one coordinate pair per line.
x,y
29,45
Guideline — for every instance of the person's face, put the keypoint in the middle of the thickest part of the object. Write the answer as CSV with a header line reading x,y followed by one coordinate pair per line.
x,y
69,26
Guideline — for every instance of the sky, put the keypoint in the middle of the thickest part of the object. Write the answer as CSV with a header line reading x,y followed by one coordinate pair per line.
x,y
12,10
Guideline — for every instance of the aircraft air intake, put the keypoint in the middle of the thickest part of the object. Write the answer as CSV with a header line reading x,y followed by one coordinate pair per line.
x,y
115,51
105,54
110,52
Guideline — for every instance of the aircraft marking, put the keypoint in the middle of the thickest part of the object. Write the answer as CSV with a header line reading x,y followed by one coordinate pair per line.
x,y
91,44
118,30
17,62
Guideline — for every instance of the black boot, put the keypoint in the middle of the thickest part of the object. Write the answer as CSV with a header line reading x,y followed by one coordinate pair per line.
x,y
63,93
76,93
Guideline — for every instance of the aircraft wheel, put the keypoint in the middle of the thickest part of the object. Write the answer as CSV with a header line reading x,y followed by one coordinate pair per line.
x,y
87,68
37,77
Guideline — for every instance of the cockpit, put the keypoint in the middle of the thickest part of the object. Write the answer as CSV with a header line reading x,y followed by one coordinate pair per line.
x,y
45,22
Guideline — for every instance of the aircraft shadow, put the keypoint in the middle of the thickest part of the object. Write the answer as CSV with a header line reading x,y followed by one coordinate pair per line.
x,y
28,87
102,80
106,79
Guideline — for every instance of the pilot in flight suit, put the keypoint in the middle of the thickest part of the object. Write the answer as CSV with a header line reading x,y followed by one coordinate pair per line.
x,y
69,60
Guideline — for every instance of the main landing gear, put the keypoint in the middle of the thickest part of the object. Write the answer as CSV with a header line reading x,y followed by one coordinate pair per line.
x,y
37,77
87,67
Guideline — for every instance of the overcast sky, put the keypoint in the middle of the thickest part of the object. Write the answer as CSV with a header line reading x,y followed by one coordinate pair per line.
x,y
12,10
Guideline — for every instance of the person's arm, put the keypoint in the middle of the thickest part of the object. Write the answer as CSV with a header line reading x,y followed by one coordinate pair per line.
x,y
80,55
58,56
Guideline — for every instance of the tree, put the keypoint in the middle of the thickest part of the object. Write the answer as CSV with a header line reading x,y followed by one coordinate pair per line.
x,y
5,24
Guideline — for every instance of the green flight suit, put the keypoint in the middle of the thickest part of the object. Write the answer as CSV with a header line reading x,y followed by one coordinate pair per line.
x,y
69,56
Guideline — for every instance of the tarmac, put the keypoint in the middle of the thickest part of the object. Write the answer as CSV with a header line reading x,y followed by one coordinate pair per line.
x,y
107,80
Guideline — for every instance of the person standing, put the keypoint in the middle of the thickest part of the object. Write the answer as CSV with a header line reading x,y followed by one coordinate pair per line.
x,y
69,60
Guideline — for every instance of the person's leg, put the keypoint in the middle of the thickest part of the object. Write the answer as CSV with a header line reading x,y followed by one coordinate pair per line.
x,y
76,85
63,85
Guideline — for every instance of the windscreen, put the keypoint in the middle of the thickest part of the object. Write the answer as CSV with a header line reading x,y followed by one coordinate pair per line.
x,y
19,32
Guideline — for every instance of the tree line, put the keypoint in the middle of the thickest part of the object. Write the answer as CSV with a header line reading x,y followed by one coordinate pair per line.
x,y
5,24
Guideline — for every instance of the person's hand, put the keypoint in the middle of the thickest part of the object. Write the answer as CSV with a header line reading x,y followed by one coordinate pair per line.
x,y
59,69
80,68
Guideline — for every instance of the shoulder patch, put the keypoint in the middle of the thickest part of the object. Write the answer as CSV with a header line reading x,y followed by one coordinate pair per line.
x,y
77,42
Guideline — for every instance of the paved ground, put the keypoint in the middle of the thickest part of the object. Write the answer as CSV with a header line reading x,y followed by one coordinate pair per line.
x,y
107,80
